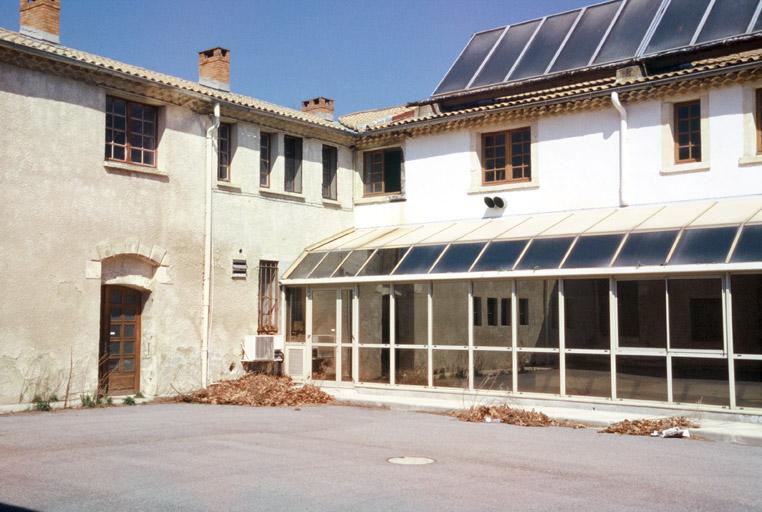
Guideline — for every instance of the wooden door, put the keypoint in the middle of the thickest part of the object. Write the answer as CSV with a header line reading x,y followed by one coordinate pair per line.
x,y
119,370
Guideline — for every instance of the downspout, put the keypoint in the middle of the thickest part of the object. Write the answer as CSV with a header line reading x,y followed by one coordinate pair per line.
x,y
207,283
622,131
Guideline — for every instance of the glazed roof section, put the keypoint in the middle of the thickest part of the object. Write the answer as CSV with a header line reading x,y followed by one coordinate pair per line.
x,y
20,41
599,230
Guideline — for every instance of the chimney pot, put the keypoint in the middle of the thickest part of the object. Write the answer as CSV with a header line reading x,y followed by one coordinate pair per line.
x,y
214,68
320,106
41,19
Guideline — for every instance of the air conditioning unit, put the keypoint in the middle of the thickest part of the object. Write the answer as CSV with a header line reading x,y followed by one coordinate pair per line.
x,y
261,347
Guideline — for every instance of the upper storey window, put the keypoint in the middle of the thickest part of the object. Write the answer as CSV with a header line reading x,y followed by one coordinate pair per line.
x,y
506,156
687,131
130,132
330,164
224,152
265,161
382,171
293,155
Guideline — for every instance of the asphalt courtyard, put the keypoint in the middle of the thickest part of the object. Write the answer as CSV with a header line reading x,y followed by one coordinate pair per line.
x,y
325,458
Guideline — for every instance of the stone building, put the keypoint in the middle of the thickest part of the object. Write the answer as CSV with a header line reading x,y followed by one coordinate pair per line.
x,y
574,216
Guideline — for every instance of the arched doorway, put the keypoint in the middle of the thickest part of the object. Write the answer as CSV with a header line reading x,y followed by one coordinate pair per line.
x,y
119,361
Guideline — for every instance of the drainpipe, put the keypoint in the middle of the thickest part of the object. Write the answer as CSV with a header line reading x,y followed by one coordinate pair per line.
x,y
207,284
622,131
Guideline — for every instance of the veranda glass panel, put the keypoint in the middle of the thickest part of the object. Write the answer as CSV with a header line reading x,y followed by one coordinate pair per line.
x,y
588,374
544,253
586,304
539,373
411,314
641,378
539,325
709,245
306,265
642,313
346,364
323,316
420,260
494,332
700,381
374,313
645,249
749,247
329,264
500,256
450,304
748,383
324,363
451,368
296,306
411,366
383,262
374,365
746,291
593,251
493,370
352,264
695,314
458,258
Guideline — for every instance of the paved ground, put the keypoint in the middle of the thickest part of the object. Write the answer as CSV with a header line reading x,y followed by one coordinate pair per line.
x,y
196,457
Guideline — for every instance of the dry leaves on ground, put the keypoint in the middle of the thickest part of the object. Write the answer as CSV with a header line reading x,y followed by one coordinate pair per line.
x,y
260,391
505,414
646,427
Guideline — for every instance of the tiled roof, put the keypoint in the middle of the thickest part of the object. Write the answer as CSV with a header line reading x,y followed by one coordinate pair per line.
x,y
380,116
578,89
11,38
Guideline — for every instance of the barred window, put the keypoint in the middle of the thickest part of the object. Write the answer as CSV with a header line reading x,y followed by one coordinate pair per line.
x,y
506,156
130,132
224,152
268,297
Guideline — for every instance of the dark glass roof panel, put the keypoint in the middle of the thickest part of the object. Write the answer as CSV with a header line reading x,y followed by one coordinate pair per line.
x,y
586,37
678,25
304,268
352,264
545,253
500,256
728,18
749,247
628,31
593,251
383,262
420,259
508,50
458,258
709,245
469,61
329,264
757,24
646,249
544,46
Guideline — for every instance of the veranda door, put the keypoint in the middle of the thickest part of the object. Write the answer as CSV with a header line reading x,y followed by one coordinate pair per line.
x,y
119,370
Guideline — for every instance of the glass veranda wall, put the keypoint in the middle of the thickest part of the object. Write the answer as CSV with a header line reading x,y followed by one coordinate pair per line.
x,y
687,340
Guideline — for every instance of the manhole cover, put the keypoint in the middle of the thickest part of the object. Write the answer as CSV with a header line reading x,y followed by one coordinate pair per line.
x,y
410,461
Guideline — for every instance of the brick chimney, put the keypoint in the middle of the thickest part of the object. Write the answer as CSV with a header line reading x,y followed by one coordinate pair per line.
x,y
320,106
41,19
214,68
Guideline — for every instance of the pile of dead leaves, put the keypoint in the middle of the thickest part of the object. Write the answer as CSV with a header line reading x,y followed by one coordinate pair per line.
x,y
258,390
646,427
505,414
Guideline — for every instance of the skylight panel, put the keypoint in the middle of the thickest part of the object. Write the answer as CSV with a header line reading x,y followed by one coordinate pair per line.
x,y
500,256
749,247
329,264
593,251
545,253
420,259
646,249
627,33
306,266
469,61
350,266
586,37
458,258
710,245
383,262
